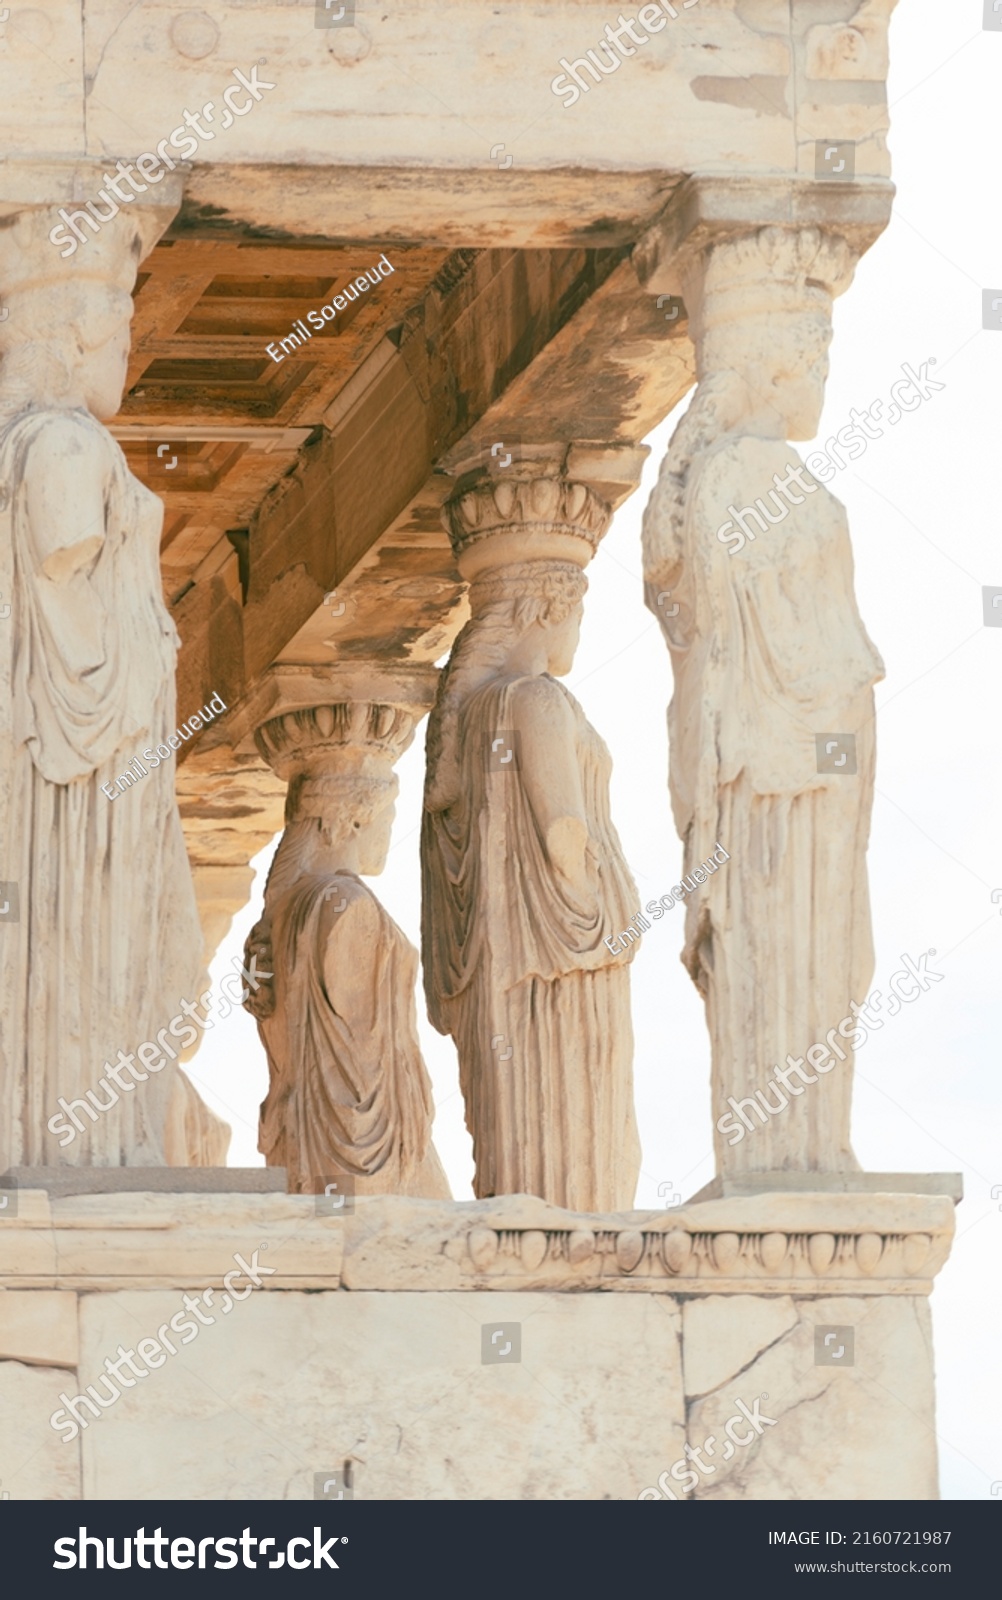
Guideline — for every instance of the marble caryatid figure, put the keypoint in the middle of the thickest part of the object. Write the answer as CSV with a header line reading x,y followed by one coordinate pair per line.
x,y
524,878
107,945
772,665
349,1093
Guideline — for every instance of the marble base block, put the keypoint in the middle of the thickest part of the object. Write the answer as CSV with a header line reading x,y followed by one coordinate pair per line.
x,y
501,1349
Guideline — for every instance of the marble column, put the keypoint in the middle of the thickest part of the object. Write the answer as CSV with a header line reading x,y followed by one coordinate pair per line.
x,y
349,1094
525,886
748,568
100,948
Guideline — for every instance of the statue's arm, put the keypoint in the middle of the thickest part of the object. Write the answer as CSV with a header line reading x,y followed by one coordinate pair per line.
x,y
351,926
661,540
260,1001
349,961
551,777
66,480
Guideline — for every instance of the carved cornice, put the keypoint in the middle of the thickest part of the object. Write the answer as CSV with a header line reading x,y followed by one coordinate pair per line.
x,y
286,688
708,211
804,1244
687,1259
547,517
302,740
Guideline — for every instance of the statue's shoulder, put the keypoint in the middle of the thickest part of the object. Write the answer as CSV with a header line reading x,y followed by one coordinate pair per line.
x,y
343,893
353,912
354,924
62,436
538,695
735,471
541,709
517,701
738,452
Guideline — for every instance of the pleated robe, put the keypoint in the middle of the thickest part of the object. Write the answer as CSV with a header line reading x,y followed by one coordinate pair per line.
x,y
517,970
108,941
349,1092
769,652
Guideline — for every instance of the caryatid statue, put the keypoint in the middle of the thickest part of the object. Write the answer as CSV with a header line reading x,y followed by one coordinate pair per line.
x,y
349,1093
524,882
107,946
748,568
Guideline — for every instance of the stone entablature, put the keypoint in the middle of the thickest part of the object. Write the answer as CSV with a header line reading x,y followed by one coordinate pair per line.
x,y
831,1244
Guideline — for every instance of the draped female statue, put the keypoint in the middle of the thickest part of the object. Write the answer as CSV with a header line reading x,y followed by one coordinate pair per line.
x,y
769,657
349,1094
524,878
108,942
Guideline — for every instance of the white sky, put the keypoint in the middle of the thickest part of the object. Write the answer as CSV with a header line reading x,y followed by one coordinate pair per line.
x,y
923,508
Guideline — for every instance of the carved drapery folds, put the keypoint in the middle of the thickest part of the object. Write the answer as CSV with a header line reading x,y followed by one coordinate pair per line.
x,y
349,1094
523,874
771,723
106,949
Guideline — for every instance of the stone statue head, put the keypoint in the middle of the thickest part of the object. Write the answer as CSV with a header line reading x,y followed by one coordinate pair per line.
x,y
562,631
784,367
66,345
65,339
761,315
359,822
511,606
335,822
338,759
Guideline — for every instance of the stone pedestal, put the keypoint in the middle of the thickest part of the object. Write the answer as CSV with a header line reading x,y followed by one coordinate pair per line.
x,y
763,1347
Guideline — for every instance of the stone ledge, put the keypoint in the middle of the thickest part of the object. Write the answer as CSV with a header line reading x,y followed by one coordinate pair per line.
x,y
58,1182
755,1183
775,1244
144,1240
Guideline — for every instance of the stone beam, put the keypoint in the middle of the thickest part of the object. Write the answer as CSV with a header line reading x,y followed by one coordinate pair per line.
x,y
569,325
504,146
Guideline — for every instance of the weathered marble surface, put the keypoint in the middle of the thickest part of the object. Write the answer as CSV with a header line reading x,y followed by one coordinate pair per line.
x,y
394,1383
731,86
39,1327
623,1360
101,1241
860,1432
775,1245
35,1464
